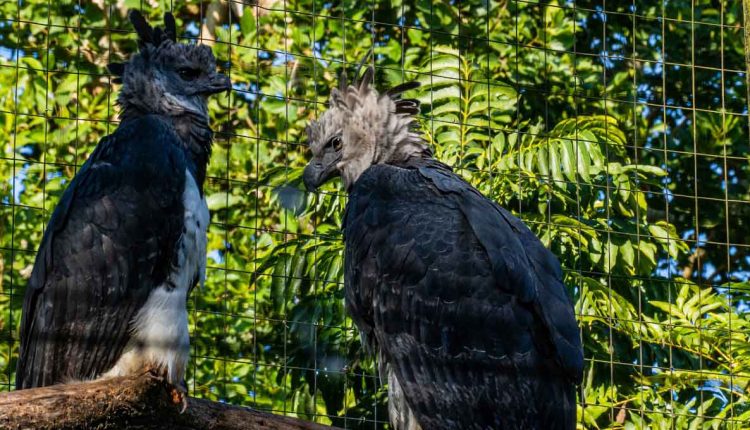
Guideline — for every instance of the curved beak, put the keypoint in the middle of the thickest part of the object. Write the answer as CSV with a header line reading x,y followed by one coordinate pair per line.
x,y
316,174
217,84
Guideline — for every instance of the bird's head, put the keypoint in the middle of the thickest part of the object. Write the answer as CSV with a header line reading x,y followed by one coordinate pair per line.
x,y
362,127
166,77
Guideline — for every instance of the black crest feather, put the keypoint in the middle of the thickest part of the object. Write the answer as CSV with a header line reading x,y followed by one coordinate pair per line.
x,y
396,91
117,69
405,106
148,35
170,27
144,30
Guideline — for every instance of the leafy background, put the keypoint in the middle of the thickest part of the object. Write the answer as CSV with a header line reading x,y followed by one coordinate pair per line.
x,y
617,130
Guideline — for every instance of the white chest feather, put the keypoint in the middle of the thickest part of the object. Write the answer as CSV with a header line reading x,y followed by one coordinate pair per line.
x,y
399,412
160,330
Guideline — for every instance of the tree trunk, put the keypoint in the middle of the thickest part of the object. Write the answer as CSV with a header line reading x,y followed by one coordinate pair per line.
x,y
133,402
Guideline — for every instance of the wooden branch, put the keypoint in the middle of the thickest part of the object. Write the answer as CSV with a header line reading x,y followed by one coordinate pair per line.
x,y
135,402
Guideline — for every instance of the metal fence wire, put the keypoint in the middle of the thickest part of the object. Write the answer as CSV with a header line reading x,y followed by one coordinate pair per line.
x,y
617,130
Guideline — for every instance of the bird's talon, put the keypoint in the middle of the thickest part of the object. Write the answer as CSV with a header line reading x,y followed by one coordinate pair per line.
x,y
179,397
154,374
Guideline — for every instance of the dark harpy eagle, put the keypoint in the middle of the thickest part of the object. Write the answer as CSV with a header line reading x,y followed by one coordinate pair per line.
x,y
463,304
127,241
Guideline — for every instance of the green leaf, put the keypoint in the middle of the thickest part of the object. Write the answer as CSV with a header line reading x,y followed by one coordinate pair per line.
x,y
628,256
247,22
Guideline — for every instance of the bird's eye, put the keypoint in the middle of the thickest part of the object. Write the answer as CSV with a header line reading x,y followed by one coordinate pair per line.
x,y
335,142
188,73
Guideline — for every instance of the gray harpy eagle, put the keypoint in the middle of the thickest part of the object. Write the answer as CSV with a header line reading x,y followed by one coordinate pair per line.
x,y
463,304
127,241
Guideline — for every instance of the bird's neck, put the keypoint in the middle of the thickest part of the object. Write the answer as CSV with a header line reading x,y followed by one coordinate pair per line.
x,y
195,135
415,154
417,161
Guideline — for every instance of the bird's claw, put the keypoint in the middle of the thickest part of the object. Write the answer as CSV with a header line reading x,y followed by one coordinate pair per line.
x,y
155,374
179,397
177,393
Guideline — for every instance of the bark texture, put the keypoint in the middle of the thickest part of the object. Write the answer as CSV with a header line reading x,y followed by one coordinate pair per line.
x,y
136,402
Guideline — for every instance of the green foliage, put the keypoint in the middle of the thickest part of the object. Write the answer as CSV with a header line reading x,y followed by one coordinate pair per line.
x,y
605,159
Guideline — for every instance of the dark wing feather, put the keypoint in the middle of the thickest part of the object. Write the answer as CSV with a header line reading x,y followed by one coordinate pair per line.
x,y
450,312
109,242
518,256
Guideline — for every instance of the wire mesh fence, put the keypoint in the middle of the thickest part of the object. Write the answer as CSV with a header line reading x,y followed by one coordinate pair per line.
x,y
617,130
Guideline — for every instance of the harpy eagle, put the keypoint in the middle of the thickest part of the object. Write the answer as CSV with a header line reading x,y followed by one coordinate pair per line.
x,y
464,306
127,241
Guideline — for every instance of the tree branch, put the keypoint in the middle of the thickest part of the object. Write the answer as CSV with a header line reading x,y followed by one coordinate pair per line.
x,y
133,402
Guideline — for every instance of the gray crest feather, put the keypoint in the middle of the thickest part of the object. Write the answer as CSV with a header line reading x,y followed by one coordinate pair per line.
x,y
367,78
363,127
345,95
350,96
337,97
361,64
342,81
